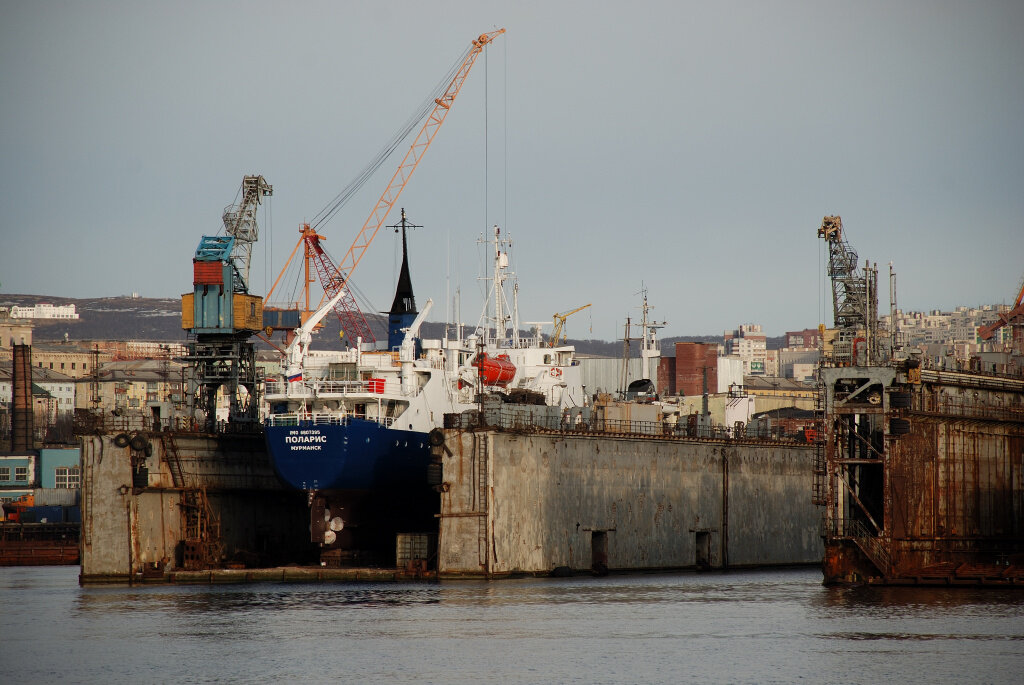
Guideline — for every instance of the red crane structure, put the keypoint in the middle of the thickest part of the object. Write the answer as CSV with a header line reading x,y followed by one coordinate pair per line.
x,y
1015,316
334,278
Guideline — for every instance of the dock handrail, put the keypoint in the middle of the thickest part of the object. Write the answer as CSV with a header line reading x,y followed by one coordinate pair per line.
x,y
872,546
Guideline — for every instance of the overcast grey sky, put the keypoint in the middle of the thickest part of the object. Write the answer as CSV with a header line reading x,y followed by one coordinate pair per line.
x,y
691,147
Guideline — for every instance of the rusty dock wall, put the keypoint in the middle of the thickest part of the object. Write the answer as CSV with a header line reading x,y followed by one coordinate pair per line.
x,y
535,501
157,502
922,477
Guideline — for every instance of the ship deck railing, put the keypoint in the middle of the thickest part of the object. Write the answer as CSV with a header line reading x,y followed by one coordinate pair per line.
x,y
324,419
317,388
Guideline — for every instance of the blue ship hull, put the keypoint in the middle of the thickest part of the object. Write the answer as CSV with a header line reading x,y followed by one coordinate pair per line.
x,y
358,455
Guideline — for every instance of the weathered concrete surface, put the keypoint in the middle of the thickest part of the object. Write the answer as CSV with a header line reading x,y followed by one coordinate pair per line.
x,y
531,503
132,519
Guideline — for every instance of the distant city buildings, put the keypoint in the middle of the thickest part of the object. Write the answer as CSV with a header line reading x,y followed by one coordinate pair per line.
x,y
44,310
147,376
959,326
808,338
13,331
748,342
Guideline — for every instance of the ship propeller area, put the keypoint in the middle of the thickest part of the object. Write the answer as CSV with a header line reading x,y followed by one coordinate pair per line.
x,y
335,524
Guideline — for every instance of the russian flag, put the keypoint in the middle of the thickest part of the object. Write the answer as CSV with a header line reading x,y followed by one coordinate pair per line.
x,y
294,379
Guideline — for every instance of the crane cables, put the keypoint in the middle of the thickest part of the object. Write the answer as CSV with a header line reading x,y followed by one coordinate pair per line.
x,y
328,212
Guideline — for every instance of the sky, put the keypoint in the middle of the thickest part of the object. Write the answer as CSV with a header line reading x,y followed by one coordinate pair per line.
x,y
689,148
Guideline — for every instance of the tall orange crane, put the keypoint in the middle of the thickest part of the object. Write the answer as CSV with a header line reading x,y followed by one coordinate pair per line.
x,y
335,278
1015,316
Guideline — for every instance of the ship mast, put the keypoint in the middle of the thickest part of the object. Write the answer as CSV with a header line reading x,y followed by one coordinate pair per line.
x,y
501,273
649,348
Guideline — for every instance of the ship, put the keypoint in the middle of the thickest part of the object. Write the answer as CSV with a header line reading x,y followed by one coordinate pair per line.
x,y
353,428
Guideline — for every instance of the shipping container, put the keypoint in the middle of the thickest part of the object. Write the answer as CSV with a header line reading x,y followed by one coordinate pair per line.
x,y
280,318
57,497
42,515
209,273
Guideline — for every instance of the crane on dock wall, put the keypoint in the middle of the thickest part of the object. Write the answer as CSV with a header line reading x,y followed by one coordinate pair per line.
x,y
220,314
854,297
334,278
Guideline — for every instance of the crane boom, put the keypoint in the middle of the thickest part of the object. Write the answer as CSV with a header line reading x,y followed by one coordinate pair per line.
x,y
854,296
849,297
240,223
559,324
1014,316
409,163
353,323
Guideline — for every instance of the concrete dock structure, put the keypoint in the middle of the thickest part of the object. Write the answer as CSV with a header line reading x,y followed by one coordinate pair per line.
x,y
535,502
168,501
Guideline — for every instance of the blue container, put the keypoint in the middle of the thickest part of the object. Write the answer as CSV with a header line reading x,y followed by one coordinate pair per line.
x,y
73,514
51,514
281,318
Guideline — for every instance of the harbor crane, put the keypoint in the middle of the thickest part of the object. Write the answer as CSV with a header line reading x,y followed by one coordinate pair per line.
x,y
557,335
334,278
854,295
220,314
1013,317
240,223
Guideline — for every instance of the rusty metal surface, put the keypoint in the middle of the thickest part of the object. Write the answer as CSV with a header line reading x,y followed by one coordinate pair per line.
x,y
923,480
39,544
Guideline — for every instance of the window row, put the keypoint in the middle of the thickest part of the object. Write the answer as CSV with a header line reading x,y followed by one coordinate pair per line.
x,y
20,473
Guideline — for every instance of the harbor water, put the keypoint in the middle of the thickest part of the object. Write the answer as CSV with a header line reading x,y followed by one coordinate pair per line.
x,y
734,627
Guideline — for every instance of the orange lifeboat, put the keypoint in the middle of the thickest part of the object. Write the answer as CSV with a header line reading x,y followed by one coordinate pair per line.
x,y
497,371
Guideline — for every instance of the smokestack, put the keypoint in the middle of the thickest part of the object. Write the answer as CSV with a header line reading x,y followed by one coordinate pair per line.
x,y
21,419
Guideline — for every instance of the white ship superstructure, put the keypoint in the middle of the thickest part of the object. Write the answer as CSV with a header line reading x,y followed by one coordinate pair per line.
x,y
410,391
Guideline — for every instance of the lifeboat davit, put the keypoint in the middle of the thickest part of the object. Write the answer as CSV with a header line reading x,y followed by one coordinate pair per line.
x,y
497,371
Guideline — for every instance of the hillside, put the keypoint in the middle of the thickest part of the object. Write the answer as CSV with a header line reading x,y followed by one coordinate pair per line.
x,y
141,318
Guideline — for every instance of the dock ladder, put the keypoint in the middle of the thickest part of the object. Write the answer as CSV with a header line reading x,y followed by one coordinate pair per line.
x,y
200,524
480,453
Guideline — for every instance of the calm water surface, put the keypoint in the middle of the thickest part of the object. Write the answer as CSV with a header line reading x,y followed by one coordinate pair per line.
x,y
737,627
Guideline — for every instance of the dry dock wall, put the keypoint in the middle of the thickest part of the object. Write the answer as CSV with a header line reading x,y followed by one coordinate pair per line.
x,y
533,502
132,517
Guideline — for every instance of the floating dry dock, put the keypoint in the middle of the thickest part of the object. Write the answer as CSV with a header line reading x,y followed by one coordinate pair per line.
x,y
512,499
530,500
154,502
921,476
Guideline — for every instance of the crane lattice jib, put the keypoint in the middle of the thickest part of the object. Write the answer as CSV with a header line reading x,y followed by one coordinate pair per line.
x,y
849,295
1014,316
412,158
240,223
353,323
